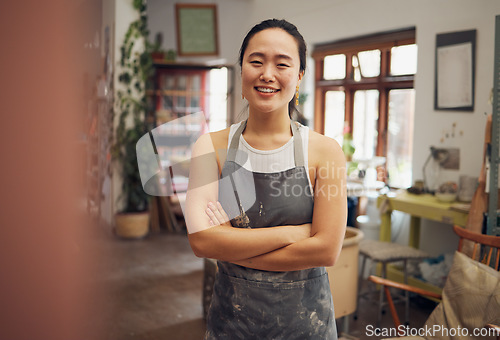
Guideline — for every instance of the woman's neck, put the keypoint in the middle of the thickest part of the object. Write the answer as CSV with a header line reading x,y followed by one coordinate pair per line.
x,y
268,124
267,131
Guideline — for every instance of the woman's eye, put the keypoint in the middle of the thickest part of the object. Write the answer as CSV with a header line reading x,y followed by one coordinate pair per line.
x,y
283,65
256,62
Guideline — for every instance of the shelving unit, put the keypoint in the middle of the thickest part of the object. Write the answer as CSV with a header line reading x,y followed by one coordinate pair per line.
x,y
178,90
493,225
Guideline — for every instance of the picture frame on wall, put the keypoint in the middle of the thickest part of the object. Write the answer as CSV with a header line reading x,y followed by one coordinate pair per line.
x,y
197,32
455,61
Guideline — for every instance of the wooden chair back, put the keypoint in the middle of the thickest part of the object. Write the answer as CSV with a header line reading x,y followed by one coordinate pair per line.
x,y
484,246
486,249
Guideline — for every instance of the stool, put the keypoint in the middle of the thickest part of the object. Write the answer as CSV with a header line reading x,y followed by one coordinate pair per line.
x,y
386,252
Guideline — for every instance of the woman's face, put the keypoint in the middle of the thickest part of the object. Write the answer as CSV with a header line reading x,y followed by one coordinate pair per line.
x,y
270,70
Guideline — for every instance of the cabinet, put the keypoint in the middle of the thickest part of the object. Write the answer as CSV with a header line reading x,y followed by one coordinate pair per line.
x,y
176,90
179,90
184,101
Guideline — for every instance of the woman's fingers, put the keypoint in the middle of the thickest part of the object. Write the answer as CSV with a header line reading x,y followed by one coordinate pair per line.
x,y
211,215
223,213
216,213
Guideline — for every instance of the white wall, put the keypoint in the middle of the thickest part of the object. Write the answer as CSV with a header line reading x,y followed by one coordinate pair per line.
x,y
325,20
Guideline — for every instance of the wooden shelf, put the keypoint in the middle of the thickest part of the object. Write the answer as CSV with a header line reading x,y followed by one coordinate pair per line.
x,y
177,93
179,65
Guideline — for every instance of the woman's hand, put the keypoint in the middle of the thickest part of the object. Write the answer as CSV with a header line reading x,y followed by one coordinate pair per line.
x,y
217,214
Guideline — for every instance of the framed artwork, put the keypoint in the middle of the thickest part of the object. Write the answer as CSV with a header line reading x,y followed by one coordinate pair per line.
x,y
455,71
196,29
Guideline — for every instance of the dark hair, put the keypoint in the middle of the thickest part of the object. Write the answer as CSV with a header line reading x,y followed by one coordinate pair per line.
x,y
294,32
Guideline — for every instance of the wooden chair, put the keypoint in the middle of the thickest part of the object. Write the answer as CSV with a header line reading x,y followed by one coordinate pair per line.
x,y
486,251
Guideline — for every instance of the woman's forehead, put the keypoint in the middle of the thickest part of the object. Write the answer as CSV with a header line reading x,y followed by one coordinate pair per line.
x,y
273,41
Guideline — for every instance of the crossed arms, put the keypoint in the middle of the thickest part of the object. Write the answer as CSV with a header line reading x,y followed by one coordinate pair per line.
x,y
281,248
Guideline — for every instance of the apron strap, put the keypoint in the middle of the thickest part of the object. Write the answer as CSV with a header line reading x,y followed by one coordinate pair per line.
x,y
233,147
298,151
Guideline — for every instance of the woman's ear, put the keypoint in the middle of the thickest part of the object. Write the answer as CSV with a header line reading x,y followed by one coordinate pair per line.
x,y
301,74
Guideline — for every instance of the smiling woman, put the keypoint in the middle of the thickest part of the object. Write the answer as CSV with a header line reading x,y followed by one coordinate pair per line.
x,y
267,210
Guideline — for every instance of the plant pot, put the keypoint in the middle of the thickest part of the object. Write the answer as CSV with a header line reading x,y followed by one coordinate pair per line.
x,y
132,225
158,56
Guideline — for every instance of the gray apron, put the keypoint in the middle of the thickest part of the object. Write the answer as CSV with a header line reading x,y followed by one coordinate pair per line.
x,y
256,304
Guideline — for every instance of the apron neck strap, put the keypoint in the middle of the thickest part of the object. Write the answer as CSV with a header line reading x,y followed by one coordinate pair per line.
x,y
298,151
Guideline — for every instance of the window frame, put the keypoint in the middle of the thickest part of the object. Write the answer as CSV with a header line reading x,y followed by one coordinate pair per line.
x,y
384,82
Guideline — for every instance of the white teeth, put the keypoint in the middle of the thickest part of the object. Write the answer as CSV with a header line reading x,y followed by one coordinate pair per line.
x,y
266,90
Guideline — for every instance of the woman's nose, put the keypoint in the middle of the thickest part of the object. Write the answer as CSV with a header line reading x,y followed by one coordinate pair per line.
x,y
267,73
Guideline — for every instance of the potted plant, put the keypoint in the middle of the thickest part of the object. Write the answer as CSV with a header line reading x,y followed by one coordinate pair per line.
x,y
348,144
158,53
132,220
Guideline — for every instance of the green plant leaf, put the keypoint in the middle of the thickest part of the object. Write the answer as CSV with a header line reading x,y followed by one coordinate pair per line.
x,y
135,69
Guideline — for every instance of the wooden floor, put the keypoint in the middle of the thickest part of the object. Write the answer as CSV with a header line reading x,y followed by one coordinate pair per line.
x,y
152,289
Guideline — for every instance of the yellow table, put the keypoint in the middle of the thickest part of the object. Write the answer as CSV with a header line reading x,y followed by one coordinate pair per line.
x,y
418,206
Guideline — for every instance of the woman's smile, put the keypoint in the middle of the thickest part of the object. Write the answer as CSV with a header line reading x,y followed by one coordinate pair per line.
x,y
266,91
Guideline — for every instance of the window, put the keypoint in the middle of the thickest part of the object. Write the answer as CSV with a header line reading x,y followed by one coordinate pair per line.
x,y
365,85
218,102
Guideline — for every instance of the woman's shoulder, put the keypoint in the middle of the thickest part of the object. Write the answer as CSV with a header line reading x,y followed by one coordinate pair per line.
x,y
221,137
322,142
323,148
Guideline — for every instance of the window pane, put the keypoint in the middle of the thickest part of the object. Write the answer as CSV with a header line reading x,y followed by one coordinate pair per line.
x,y
168,102
369,62
182,83
196,83
334,66
365,123
335,115
355,66
181,103
404,60
195,103
168,83
400,137
218,99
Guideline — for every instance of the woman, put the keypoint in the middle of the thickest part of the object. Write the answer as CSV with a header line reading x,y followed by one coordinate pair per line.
x,y
280,234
